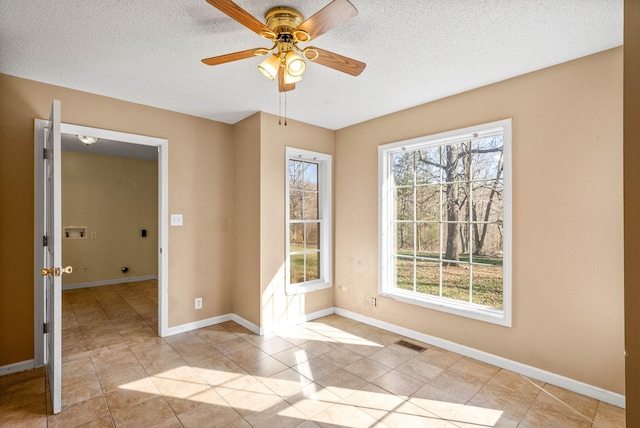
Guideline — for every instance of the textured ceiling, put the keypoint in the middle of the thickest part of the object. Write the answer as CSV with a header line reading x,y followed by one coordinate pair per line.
x,y
416,51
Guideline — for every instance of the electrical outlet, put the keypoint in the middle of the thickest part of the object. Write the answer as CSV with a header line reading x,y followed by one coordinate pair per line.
x,y
373,301
198,302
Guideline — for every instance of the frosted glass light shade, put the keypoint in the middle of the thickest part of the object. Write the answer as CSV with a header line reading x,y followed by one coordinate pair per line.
x,y
294,65
269,67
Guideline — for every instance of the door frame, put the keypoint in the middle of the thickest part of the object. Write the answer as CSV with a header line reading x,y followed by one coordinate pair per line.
x,y
163,223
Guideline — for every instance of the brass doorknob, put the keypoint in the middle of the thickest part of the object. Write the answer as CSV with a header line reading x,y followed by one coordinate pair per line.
x,y
45,271
56,271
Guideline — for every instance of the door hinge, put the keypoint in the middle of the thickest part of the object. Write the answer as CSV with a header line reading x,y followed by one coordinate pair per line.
x,y
45,154
45,327
45,241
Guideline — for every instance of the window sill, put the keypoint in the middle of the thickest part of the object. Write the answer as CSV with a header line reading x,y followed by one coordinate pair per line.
x,y
307,287
468,310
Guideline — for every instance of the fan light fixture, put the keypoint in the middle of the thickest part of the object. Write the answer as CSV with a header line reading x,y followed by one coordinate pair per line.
x,y
88,140
282,21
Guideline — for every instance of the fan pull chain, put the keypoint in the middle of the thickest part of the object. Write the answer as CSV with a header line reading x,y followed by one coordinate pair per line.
x,y
280,108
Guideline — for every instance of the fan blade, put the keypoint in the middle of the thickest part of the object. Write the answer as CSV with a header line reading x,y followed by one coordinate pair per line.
x,y
229,57
283,87
339,62
326,18
243,17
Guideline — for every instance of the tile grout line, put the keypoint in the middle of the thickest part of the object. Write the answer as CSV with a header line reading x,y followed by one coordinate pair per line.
x,y
593,424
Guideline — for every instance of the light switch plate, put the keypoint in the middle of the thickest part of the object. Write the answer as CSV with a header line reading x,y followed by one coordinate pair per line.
x,y
176,219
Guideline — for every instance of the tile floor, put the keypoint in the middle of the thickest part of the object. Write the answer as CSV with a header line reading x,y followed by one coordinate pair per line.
x,y
332,372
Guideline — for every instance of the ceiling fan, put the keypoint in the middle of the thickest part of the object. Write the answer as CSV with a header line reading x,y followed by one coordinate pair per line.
x,y
286,27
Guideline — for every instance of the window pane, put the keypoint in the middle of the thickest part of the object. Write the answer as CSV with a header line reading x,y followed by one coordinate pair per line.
x,y
487,285
455,202
313,236
296,266
455,281
404,273
312,266
488,201
404,238
295,205
455,158
487,158
310,211
428,166
403,168
455,241
428,240
404,203
488,243
296,237
428,277
428,203
295,175
310,176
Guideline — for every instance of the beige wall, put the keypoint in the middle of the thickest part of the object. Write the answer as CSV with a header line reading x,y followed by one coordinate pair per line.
x,y
277,306
632,207
114,198
567,218
200,187
259,204
246,200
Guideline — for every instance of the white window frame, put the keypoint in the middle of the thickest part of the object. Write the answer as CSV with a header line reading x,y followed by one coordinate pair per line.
x,y
324,162
386,285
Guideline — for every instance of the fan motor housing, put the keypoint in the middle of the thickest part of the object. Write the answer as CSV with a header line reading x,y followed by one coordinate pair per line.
x,y
282,19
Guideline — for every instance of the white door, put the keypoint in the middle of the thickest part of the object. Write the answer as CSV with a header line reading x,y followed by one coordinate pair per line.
x,y
52,270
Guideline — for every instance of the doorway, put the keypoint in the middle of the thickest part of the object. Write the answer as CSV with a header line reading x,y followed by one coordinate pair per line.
x,y
128,142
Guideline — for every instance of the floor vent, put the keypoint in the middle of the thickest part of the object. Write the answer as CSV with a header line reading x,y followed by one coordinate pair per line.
x,y
410,345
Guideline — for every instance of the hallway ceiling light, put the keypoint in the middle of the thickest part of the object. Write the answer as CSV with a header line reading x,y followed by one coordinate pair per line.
x,y
87,139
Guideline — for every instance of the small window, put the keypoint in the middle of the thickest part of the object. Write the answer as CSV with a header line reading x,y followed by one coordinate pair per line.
x,y
445,221
308,213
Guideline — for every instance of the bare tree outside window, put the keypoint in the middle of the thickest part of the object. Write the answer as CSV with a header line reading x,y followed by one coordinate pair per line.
x,y
448,220
304,221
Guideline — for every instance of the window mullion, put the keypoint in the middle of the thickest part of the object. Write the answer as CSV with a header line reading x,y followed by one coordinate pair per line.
x,y
471,209
415,226
441,223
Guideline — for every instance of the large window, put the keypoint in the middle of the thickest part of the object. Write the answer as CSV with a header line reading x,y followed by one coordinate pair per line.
x,y
445,224
308,212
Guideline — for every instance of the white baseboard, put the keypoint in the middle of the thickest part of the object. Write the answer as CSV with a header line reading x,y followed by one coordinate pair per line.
x,y
274,328
17,367
198,324
212,321
523,369
246,324
109,282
